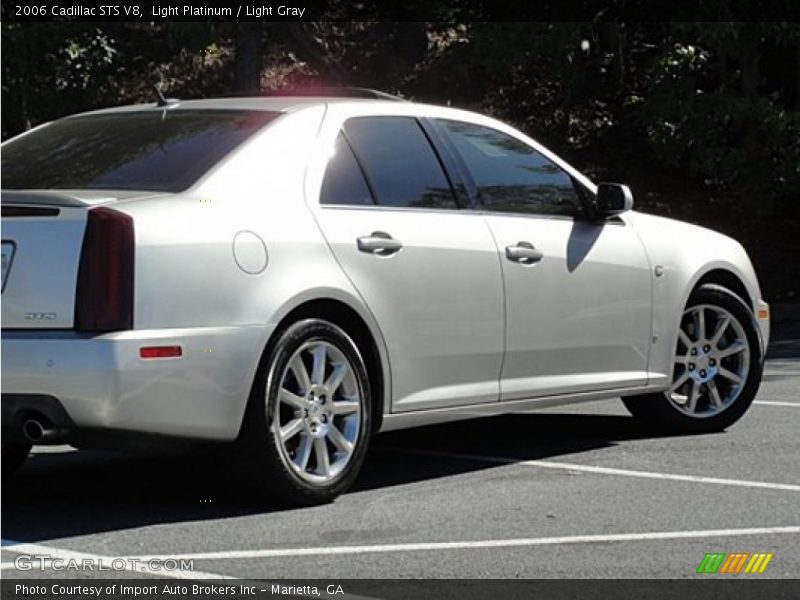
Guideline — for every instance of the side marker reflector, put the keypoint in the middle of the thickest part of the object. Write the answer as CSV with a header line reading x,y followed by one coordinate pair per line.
x,y
160,352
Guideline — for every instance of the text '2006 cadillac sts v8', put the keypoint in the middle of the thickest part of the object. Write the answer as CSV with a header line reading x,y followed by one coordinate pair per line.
x,y
295,274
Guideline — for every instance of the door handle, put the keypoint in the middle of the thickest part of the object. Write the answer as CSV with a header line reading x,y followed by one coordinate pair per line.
x,y
380,243
524,253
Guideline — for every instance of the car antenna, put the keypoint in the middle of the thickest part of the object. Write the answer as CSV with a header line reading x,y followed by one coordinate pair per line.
x,y
162,100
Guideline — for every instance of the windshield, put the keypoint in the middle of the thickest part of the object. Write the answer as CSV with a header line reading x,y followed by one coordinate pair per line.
x,y
149,150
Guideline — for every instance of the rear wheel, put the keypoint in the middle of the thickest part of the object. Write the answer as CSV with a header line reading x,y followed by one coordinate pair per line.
x,y
717,367
308,422
13,455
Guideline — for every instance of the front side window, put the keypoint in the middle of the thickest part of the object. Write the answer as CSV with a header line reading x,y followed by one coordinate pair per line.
x,y
399,162
150,150
510,175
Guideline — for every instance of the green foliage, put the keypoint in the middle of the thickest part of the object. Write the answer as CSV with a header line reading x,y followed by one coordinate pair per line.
x,y
711,113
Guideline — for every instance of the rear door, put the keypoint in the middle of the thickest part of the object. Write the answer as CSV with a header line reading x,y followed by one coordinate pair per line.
x,y
578,292
426,267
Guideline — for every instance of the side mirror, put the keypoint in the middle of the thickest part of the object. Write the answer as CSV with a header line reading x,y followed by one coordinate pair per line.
x,y
613,199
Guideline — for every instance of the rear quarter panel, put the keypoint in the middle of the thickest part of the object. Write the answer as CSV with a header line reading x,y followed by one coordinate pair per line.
x,y
187,273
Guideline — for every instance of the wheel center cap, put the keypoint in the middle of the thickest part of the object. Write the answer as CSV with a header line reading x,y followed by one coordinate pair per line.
x,y
702,366
316,412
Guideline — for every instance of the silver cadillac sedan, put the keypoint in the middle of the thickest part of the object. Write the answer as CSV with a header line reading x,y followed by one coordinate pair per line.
x,y
295,274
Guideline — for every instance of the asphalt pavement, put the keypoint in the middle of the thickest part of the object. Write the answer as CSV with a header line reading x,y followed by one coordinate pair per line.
x,y
580,491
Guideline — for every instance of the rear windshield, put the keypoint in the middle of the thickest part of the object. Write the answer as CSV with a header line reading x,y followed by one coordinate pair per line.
x,y
150,150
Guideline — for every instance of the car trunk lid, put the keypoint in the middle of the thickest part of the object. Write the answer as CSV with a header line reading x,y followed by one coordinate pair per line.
x,y
42,239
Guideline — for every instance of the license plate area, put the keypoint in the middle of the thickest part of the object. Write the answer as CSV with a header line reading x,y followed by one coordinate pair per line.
x,y
8,249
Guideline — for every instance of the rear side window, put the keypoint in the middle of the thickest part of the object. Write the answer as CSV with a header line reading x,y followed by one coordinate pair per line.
x,y
159,150
344,181
510,175
399,162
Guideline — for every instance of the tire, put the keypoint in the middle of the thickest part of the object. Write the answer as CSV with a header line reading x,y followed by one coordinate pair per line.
x,y
13,455
325,412
720,377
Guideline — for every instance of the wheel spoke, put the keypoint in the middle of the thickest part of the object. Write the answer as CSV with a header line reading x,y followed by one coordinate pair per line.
x,y
303,452
337,439
699,324
722,325
323,461
684,337
291,399
320,354
714,392
298,367
679,382
345,407
336,378
734,348
291,429
737,379
693,396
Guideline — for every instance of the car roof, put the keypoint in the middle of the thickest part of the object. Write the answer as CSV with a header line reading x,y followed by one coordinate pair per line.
x,y
283,104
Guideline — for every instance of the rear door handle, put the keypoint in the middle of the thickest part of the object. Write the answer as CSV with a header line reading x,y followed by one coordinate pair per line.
x,y
523,253
380,243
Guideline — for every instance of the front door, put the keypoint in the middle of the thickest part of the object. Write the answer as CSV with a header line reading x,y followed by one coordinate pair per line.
x,y
578,293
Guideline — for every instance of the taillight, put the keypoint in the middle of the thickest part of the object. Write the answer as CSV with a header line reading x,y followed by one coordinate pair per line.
x,y
104,298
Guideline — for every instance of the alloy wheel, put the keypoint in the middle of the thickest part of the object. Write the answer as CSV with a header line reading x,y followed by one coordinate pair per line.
x,y
318,414
712,361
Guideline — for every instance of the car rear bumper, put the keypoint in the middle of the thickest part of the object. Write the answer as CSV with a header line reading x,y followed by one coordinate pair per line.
x,y
102,382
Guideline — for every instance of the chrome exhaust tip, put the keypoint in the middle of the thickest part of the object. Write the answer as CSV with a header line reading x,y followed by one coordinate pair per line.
x,y
37,432
33,430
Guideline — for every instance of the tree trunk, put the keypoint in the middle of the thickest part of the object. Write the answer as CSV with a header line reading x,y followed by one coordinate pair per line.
x,y
748,59
797,79
611,40
248,57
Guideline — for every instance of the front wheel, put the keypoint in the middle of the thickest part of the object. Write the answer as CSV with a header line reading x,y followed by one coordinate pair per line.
x,y
716,371
307,426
